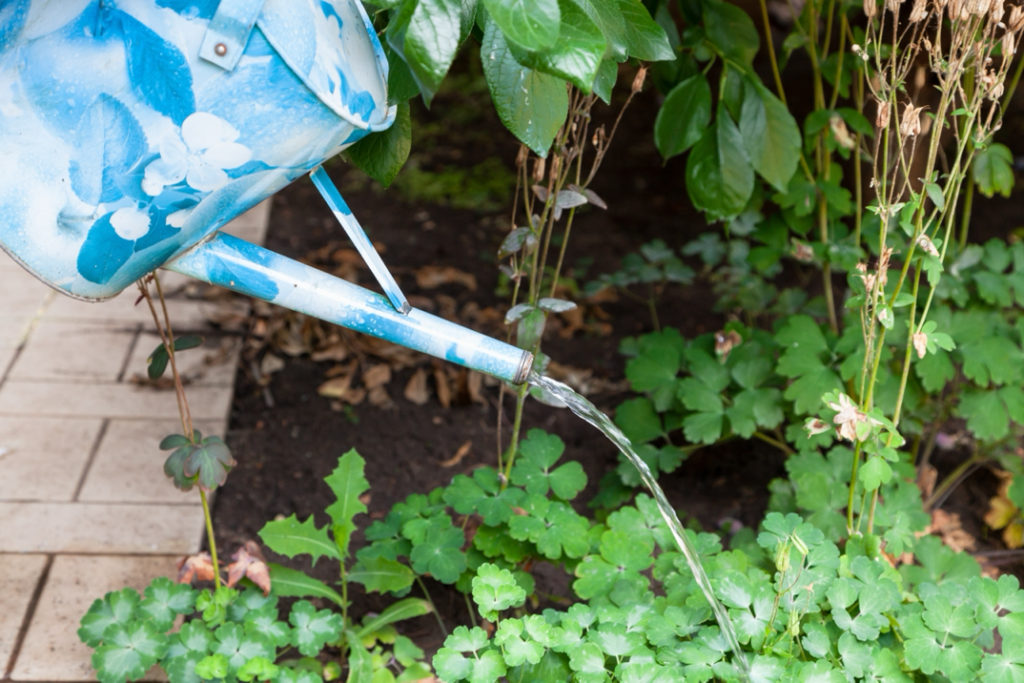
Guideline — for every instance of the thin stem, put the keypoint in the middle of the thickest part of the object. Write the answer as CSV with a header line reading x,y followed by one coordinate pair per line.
x,y
965,216
770,45
209,535
954,477
781,445
853,488
433,607
517,423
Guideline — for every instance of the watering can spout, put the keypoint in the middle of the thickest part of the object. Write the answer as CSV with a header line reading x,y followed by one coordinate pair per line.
x,y
246,268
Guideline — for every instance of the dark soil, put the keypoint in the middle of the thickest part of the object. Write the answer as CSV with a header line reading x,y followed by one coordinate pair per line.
x,y
287,437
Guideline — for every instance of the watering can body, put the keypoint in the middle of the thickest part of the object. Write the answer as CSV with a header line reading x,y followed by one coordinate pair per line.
x,y
132,130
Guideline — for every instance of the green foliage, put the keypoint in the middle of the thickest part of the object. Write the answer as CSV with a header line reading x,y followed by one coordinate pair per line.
x,y
203,461
243,635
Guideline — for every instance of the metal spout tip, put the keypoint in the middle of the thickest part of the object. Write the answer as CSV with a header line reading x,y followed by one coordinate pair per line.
x,y
525,365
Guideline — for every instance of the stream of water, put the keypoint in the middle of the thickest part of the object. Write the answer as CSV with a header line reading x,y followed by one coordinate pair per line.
x,y
590,413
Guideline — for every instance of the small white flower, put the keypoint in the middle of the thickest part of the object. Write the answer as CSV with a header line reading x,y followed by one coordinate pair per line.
x,y
920,340
200,156
848,416
130,223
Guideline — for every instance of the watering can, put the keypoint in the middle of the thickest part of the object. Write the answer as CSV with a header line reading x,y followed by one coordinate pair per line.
x,y
132,130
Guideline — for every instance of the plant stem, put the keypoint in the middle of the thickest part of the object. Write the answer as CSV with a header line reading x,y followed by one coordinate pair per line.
x,y
770,45
433,607
953,478
965,217
781,445
210,538
513,444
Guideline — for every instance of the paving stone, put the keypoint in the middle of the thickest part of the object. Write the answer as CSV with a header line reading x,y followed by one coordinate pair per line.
x,y
20,292
251,225
101,528
74,351
19,575
211,364
42,459
51,650
185,313
63,399
13,328
128,466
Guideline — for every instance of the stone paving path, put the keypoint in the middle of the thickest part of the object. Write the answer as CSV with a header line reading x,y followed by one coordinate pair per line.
x,y
84,505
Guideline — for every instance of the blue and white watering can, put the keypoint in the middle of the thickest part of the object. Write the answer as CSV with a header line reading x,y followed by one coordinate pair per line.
x,y
132,130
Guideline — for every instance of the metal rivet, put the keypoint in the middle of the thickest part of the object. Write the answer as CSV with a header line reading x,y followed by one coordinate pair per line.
x,y
220,49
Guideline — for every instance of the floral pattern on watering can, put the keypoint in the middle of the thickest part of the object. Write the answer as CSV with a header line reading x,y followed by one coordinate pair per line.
x,y
130,130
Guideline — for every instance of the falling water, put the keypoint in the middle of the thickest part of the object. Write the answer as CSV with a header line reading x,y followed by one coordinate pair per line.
x,y
589,412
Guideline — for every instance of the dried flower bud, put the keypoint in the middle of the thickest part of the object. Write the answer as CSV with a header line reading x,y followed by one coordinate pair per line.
x,y
538,169
870,8
920,343
815,426
1009,46
926,245
840,132
883,110
910,123
556,167
802,252
940,5
956,9
919,11
638,80
893,5
522,155
725,342
599,137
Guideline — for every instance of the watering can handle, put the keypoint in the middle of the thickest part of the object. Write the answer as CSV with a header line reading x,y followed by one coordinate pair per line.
x,y
358,236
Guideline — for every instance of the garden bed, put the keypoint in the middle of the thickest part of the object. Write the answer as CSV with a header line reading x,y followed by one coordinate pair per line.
x,y
287,435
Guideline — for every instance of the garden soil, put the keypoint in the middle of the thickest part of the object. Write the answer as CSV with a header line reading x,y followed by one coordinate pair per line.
x,y
307,392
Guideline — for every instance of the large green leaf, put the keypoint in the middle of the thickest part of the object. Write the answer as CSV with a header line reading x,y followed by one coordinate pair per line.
x,y
348,483
432,38
770,135
683,117
530,24
382,155
731,31
719,178
644,38
381,574
531,104
290,537
292,583
577,54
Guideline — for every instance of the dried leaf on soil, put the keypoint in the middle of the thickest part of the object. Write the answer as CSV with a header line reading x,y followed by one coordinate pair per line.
x,y
950,529
377,376
429,277
444,391
198,567
248,562
416,388
461,453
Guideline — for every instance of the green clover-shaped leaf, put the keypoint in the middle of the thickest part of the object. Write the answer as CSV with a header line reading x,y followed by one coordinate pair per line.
x,y
204,461
314,629
264,622
437,547
114,608
495,589
128,650
165,600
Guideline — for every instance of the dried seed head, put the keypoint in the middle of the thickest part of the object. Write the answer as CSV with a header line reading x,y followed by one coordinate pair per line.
x,y
919,11
940,5
893,5
1009,46
556,167
910,123
883,111
599,137
995,11
638,80
1016,20
957,10
870,8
